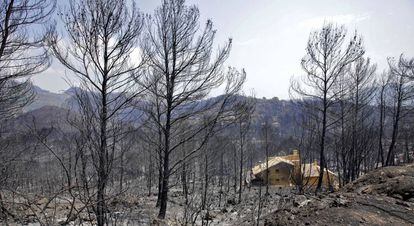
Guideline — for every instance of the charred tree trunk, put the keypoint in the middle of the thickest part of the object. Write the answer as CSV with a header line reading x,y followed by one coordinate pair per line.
x,y
396,121
380,158
322,142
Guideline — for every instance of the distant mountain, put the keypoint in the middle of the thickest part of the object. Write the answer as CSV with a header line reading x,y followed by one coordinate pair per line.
x,y
46,98
281,113
45,117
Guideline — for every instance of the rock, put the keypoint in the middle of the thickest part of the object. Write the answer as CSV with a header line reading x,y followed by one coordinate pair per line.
x,y
300,200
397,196
294,211
402,203
394,181
61,221
323,204
340,202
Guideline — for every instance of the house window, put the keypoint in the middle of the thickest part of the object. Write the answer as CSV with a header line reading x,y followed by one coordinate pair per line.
x,y
277,170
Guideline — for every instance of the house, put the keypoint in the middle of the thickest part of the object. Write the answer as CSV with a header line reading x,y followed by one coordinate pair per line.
x,y
309,176
279,172
287,171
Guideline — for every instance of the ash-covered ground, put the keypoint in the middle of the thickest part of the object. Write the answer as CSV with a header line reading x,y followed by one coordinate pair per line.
x,y
381,197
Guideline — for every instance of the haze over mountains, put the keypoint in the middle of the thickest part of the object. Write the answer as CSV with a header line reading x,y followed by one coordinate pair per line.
x,y
46,98
48,104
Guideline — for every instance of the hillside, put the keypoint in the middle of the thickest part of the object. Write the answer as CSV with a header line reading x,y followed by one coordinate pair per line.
x,y
280,112
46,98
382,197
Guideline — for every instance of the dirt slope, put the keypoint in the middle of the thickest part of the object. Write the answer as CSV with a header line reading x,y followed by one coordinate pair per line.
x,y
381,197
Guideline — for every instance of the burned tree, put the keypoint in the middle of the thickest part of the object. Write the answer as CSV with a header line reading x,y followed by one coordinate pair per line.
x,y
353,113
327,57
182,71
402,93
100,38
359,81
22,52
243,128
266,133
383,83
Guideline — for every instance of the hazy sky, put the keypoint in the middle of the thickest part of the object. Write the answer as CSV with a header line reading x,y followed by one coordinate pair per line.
x,y
269,36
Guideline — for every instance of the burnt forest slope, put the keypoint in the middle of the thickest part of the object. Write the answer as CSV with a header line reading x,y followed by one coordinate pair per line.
x,y
382,197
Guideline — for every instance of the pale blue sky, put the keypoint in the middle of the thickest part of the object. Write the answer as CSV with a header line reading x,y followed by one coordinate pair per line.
x,y
270,35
